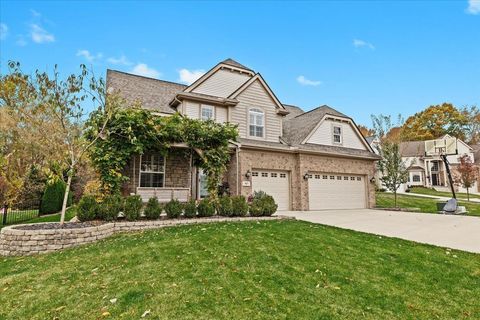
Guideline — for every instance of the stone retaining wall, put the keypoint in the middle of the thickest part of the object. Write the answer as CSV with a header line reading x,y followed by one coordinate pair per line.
x,y
17,242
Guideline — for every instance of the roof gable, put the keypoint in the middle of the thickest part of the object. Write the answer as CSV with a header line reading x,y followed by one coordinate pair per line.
x,y
258,77
228,64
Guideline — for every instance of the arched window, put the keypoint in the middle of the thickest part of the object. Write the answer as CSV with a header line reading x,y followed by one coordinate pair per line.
x,y
256,125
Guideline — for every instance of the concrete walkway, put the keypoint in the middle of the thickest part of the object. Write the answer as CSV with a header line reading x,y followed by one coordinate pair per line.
x,y
475,200
456,232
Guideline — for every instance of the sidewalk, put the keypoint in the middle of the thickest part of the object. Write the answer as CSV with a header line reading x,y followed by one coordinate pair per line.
x,y
475,200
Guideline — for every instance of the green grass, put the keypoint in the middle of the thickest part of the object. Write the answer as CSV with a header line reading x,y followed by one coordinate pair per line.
x,y
386,200
432,192
244,270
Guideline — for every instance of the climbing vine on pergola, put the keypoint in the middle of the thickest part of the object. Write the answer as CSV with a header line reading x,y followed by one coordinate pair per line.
x,y
135,130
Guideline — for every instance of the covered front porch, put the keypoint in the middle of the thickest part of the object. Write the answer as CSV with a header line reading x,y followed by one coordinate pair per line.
x,y
171,176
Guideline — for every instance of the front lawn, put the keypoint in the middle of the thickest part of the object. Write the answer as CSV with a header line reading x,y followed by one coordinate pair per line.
x,y
246,270
432,192
386,200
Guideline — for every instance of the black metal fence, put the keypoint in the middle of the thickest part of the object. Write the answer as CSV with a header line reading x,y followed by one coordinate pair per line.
x,y
18,213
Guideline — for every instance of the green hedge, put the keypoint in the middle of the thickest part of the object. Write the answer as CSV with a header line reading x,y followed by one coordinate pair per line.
x,y
52,199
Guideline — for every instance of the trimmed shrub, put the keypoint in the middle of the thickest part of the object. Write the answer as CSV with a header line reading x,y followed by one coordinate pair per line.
x,y
262,205
206,208
111,206
52,199
153,209
225,206
240,206
87,208
133,206
173,208
190,209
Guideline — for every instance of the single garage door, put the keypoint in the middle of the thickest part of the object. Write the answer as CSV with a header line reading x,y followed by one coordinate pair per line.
x,y
335,191
274,183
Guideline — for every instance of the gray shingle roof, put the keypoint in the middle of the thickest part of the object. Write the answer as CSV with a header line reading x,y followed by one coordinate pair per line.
x,y
234,63
296,129
154,94
294,111
412,148
370,139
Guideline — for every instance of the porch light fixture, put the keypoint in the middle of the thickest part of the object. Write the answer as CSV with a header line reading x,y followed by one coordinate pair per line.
x,y
372,180
305,176
248,174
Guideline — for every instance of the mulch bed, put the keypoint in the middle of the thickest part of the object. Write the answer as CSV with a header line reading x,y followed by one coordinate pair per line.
x,y
56,225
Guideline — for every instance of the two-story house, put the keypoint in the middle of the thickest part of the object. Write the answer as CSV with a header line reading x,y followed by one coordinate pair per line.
x,y
306,160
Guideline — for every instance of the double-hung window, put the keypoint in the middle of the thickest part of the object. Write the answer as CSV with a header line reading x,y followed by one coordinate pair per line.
x,y
337,134
152,170
207,112
256,123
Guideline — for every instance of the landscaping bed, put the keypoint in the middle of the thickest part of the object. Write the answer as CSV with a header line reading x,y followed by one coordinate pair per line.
x,y
38,238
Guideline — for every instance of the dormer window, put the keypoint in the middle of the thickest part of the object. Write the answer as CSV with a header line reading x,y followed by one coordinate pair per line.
x,y
256,123
207,112
337,135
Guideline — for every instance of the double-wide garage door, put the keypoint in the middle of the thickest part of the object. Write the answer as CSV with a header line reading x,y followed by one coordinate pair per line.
x,y
335,191
274,183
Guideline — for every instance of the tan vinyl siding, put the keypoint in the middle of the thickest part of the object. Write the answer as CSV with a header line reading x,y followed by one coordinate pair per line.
x,y
255,96
222,83
221,114
324,135
192,110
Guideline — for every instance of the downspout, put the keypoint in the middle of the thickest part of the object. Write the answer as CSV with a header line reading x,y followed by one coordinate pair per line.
x,y
238,181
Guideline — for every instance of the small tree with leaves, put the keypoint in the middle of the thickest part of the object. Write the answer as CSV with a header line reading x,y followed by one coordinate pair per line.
x,y
466,174
392,168
61,101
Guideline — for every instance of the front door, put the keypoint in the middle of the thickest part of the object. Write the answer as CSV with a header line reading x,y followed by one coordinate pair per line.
x,y
201,185
434,179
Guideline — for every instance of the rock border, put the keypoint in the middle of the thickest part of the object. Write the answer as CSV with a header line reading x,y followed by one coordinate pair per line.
x,y
17,242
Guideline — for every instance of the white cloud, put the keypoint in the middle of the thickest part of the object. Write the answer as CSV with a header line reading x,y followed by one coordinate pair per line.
x,y
40,35
35,13
3,31
357,43
88,56
142,69
190,76
473,7
120,60
307,82
21,41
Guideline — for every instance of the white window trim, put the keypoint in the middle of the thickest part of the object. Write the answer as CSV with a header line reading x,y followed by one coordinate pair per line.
x,y
206,106
263,123
334,134
140,171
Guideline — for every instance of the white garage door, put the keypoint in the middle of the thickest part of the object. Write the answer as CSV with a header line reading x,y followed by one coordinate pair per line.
x,y
274,183
334,191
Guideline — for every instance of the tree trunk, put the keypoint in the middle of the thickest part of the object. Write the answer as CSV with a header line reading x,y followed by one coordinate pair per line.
x,y
65,199
395,196
468,195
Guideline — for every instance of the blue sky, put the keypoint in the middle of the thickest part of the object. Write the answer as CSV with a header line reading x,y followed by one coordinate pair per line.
x,y
361,58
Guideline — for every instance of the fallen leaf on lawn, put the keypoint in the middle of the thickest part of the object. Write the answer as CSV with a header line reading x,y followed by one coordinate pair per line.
x,y
146,313
27,290
113,300
317,286
60,308
106,314
246,299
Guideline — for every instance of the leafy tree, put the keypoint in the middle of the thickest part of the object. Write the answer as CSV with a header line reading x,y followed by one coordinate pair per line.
x,y
392,168
434,122
48,99
466,173
472,128
365,131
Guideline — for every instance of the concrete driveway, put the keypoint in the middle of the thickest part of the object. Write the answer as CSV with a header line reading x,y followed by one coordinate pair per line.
x,y
456,232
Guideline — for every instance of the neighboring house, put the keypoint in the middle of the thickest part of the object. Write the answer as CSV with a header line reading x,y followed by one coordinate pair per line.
x,y
428,171
476,155
305,160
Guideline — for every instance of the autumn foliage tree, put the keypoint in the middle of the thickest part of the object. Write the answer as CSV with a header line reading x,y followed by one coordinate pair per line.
x,y
466,173
472,128
53,107
434,122
365,131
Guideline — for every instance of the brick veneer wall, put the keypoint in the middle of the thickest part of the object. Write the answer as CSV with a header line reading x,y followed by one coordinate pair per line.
x,y
177,171
297,164
17,242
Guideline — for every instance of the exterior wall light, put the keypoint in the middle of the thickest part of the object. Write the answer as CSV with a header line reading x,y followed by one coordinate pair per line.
x,y
248,174
305,176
